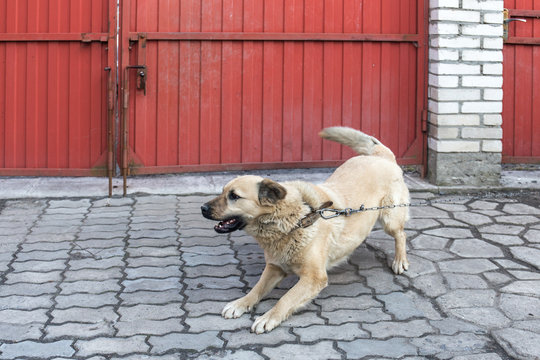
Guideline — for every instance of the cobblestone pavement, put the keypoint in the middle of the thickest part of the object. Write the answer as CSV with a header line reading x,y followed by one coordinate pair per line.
x,y
146,277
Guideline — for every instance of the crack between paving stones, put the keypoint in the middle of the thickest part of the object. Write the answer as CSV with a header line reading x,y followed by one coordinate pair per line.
x,y
123,272
182,279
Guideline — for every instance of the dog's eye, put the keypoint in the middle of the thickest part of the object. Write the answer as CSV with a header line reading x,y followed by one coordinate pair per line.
x,y
233,196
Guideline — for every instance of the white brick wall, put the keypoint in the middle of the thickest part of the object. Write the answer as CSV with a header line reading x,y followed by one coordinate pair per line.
x,y
465,76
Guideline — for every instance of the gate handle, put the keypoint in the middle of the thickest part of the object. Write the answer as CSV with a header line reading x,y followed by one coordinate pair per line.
x,y
506,21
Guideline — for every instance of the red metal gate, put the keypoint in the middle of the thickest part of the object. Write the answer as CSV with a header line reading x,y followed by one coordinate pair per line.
x,y
53,107
521,88
244,84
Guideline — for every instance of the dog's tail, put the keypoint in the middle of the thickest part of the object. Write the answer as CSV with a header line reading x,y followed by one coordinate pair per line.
x,y
361,143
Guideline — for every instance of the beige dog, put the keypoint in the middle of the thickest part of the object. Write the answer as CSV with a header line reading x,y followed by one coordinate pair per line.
x,y
271,213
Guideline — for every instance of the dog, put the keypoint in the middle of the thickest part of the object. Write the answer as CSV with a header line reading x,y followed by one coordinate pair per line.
x,y
273,214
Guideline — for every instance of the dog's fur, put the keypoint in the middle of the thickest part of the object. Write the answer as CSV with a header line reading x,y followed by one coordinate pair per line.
x,y
270,212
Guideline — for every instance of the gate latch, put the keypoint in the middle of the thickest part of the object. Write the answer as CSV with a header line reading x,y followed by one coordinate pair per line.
x,y
141,79
507,20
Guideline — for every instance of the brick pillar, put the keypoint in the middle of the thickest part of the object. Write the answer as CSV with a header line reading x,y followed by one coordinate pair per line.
x,y
465,92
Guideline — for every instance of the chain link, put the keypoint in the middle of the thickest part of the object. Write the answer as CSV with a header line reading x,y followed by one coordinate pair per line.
x,y
328,213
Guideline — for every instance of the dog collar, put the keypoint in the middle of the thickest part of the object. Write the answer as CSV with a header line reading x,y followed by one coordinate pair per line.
x,y
313,216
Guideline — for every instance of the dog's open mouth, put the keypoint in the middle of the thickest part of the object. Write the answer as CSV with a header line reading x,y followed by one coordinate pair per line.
x,y
229,225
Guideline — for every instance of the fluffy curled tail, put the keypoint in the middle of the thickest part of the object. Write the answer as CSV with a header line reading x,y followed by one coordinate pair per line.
x,y
361,143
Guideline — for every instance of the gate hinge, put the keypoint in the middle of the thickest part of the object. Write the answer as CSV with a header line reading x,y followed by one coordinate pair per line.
x,y
425,118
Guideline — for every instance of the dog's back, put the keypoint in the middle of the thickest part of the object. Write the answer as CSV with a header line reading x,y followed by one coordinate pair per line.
x,y
361,143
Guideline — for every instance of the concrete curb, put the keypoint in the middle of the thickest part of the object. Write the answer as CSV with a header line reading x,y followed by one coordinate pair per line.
x,y
212,183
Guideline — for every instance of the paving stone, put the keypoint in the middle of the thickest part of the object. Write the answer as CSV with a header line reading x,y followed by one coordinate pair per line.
x,y
529,325
43,255
371,315
417,267
490,356
150,312
466,298
465,281
525,275
120,346
527,254
509,264
447,346
452,326
18,332
360,302
427,212
77,330
204,308
25,302
432,285
501,229
33,277
153,251
46,246
382,281
195,342
200,324
92,263
322,350
89,286
483,205
519,343
247,338
521,209
305,317
28,289
151,284
401,305
154,261
344,290
345,332
473,248
386,329
526,287
146,242
153,272
488,317
421,224
467,266
148,327
393,348
86,300
518,307
472,218
150,297
93,274
231,355
214,283
83,315
429,242
217,260
433,255
33,349
503,239
450,232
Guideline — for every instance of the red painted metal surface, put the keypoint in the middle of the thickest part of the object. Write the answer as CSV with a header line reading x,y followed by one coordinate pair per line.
x,y
245,84
53,98
521,88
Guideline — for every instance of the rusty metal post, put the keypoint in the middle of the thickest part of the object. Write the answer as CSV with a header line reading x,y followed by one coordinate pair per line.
x,y
110,128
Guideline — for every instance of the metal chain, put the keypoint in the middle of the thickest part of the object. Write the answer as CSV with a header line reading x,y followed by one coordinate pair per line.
x,y
328,213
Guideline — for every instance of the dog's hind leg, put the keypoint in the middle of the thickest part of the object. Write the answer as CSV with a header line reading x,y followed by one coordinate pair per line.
x,y
270,277
393,222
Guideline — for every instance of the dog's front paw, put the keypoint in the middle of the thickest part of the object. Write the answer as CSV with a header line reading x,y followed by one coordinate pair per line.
x,y
399,265
235,308
266,322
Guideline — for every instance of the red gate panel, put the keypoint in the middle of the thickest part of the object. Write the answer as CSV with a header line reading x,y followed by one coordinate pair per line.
x,y
521,88
53,109
242,84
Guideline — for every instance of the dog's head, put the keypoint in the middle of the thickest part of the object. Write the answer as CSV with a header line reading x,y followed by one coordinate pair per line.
x,y
242,200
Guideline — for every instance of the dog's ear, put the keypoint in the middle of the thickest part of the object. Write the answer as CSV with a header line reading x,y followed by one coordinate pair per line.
x,y
270,192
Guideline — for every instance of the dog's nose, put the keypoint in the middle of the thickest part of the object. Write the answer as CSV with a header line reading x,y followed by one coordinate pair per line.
x,y
205,209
